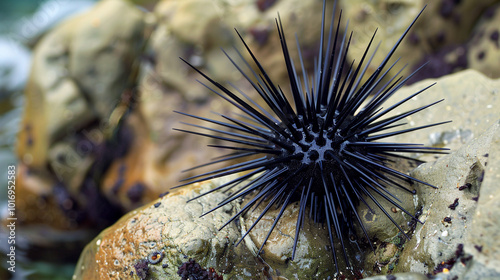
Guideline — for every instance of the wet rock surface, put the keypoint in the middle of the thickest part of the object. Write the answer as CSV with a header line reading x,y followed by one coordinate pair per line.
x,y
448,243
170,231
75,84
483,241
313,256
484,46
444,37
67,87
450,212
155,240
446,240
79,72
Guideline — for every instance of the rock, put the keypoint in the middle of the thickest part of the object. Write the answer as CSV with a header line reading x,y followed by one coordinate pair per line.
x,y
30,28
483,241
461,94
399,276
134,179
313,255
453,137
448,22
172,229
168,84
470,99
377,224
427,248
439,37
437,240
200,41
76,80
198,21
37,205
80,74
484,47
391,249
67,89
457,175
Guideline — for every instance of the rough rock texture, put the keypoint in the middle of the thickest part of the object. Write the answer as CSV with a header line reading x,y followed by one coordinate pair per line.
x,y
390,17
460,175
313,256
469,93
197,29
167,84
166,233
470,99
484,47
85,99
451,212
399,276
170,227
468,172
80,93
439,37
484,241
80,72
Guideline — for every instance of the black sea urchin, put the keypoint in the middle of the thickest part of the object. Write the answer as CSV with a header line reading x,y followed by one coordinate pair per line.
x,y
325,152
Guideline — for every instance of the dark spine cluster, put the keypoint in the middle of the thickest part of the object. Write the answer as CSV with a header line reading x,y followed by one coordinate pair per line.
x,y
323,146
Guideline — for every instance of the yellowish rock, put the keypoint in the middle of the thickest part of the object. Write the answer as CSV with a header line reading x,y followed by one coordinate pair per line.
x,y
79,73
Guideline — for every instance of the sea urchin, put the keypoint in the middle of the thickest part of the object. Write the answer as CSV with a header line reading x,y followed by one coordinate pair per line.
x,y
323,148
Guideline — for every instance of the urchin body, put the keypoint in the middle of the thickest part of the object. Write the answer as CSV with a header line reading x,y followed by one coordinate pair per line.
x,y
323,147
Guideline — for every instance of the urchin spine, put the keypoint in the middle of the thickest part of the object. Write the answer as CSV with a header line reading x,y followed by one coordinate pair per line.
x,y
325,152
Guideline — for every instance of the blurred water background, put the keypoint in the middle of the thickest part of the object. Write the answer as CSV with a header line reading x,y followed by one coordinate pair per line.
x,y
22,23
